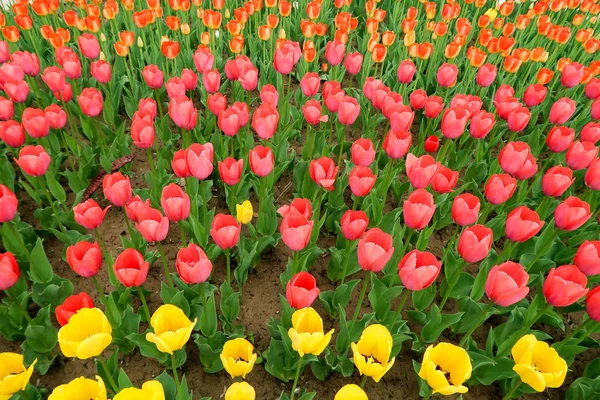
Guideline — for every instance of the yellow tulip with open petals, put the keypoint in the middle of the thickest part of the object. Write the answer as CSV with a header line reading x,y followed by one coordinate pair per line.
x,y
238,357
538,364
240,391
172,328
86,334
307,333
14,376
151,390
351,392
445,368
372,352
80,389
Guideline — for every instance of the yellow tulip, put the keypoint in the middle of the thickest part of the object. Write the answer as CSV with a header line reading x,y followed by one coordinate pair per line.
x,y
80,389
172,328
240,391
351,392
238,357
185,29
140,42
14,376
307,333
151,390
86,334
538,364
445,368
372,352
492,14
244,212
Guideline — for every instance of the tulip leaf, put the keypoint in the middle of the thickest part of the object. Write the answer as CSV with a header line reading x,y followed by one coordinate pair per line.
x,y
123,380
479,284
168,385
380,297
545,239
56,189
583,388
52,293
208,319
40,334
422,299
476,172
41,270
320,369
230,306
7,173
501,369
437,324
210,350
266,224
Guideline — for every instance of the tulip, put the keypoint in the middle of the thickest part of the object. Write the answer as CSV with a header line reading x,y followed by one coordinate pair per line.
x,y
401,118
334,52
151,390
153,226
9,271
475,243
571,75
54,78
351,392
89,46
117,189
64,95
397,143
298,205
418,209
363,152
84,258
421,170
130,268
35,122
89,214
29,63
561,111
571,214
581,154
183,113
71,305
592,304
142,129
134,206
307,334
238,357
211,80
447,74
56,116
301,291
353,63
80,389
587,257
203,59
240,391
406,71
217,103
175,87
560,138
265,121
590,132
595,109
296,230
375,248
431,145
172,328
499,188
189,79
148,106
444,180
534,95
557,180
507,284
33,160
516,159
372,352
564,286
592,89
446,367
323,172
193,266
348,110
12,133
361,180
86,335
7,108
153,76
175,203
8,204
270,95
225,231
17,91
261,160
354,224
592,175
418,270
199,159
465,209
101,71
417,99
506,106
333,96
91,102
312,112
15,376
229,121
518,119
230,170
454,122
309,84
486,74
286,56
522,224
538,364
244,212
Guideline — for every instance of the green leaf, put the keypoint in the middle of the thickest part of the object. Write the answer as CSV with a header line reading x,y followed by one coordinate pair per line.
x,y
168,385
437,324
41,270
208,320
423,298
266,224
56,189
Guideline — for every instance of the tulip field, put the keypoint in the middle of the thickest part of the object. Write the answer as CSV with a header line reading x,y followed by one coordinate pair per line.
x,y
316,199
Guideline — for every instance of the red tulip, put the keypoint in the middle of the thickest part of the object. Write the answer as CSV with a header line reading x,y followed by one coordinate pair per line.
x,y
564,286
506,106
301,291
183,113
444,180
153,76
64,95
561,111
581,154
592,89
481,124
587,257
363,152
507,284
389,104
333,97
84,258
560,138
193,266
323,172
361,180
353,63
229,121
153,226
592,304
406,71
590,132
211,80
431,144
296,229
135,206
447,75
189,79
534,95
142,129
354,224
418,270
56,116
130,268
89,214
369,87
286,56
175,202
571,213
230,170
7,109
348,110
217,103
312,112
486,75
309,84
499,188
418,209
71,305
199,159
401,118
433,106
265,121
261,160
203,59
475,242
421,170
33,160
299,205
8,204
375,249
248,77
397,143
334,52
516,159
90,101
518,119
417,99
4,52
71,64
29,63
472,103
270,95
592,175
54,77
225,231
522,224
571,75
89,46
454,121
595,109
147,106
557,180
465,209
35,122
12,133
175,87
9,271
243,112
117,189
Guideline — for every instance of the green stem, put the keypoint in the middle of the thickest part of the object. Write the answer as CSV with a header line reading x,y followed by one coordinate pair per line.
x,y
346,260
99,290
19,306
451,283
401,306
158,103
49,197
573,333
298,369
363,381
486,212
228,256
366,281
165,264
111,381
127,223
482,318
175,374
17,234
512,392
184,242
144,303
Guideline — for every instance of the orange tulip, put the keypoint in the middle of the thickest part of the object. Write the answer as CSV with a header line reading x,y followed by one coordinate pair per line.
x,y
20,9
249,7
540,7
595,67
212,19
544,29
441,28
591,45
588,74
322,29
578,19
505,44
483,21
412,13
24,22
57,41
121,49
492,46
485,35
431,26
508,29
423,50
205,38
264,32
452,50
285,8
139,19
92,10
512,64
544,76
583,34
271,3
379,53
236,44
507,8
173,22
522,54
379,14
40,8
127,38
480,3
557,5
353,23
240,15
64,33
170,49
273,21
586,6
127,4
562,63
233,27
313,9
498,23
341,36
11,33
409,39
477,57
153,4
372,25
110,10
563,36
46,31
430,9
92,23
370,7
2,20
460,40
523,22
463,27
388,38
218,4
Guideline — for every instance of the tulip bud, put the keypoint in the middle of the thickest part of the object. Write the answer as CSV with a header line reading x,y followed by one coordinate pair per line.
x,y
301,291
507,284
558,280
244,212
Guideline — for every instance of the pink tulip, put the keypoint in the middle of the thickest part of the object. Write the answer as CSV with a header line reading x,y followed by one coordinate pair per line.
x,y
418,270
507,284
175,202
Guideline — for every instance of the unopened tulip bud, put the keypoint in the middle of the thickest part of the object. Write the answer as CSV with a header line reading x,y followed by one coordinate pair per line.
x,y
102,37
185,29
282,34
102,56
140,42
